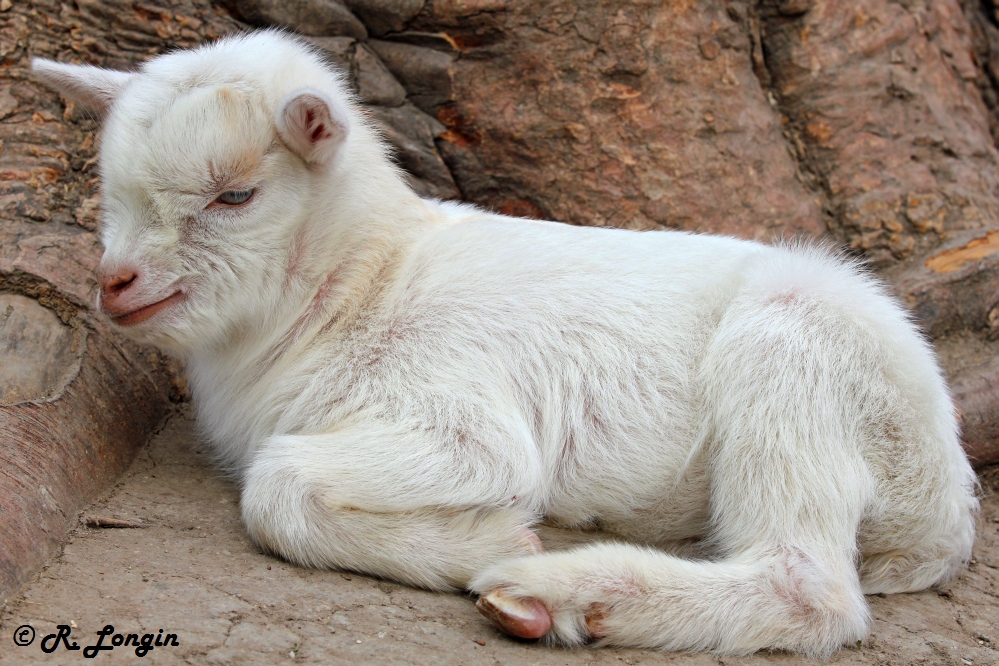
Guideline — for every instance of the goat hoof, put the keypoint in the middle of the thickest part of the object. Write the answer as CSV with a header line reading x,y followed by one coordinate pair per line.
x,y
523,617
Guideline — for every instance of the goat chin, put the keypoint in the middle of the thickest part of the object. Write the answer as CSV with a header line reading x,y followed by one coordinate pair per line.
x,y
405,386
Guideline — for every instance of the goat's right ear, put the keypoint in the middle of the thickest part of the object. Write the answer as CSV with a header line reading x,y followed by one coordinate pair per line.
x,y
93,87
312,125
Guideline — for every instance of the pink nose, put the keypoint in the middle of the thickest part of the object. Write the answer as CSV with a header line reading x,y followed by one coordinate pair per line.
x,y
115,285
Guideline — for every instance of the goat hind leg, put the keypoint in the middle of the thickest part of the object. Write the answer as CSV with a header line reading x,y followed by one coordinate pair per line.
x,y
788,489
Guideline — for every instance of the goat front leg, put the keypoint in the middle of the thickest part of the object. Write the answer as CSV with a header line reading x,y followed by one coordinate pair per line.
x,y
387,502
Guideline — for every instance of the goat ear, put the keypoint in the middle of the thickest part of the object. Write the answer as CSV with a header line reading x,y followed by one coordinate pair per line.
x,y
93,87
312,126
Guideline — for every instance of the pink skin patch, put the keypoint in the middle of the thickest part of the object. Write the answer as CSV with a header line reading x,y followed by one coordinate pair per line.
x,y
522,617
307,318
316,131
532,541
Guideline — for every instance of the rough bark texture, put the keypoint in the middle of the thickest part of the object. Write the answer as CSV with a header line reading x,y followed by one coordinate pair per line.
x,y
873,122
640,115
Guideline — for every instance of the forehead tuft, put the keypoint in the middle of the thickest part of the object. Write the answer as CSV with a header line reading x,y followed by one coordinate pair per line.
x,y
265,65
194,102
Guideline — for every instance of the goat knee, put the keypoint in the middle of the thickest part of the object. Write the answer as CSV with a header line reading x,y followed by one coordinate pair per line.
x,y
277,510
818,607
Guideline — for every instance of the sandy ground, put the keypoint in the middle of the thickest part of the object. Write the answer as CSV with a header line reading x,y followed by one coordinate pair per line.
x,y
192,572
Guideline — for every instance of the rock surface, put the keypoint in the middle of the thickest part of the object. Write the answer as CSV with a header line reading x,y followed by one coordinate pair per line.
x,y
308,17
383,16
642,115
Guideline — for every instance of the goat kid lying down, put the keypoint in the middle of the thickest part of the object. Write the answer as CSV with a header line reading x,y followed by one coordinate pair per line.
x,y
403,387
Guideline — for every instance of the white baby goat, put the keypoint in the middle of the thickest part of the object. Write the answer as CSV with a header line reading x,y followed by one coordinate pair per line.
x,y
404,387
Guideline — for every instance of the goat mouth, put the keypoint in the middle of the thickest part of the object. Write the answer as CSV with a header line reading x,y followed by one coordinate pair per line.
x,y
146,311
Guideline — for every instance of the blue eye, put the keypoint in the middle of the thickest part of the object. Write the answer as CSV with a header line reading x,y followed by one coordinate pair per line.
x,y
235,197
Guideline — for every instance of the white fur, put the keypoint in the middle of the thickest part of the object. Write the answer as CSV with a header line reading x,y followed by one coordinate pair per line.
x,y
405,386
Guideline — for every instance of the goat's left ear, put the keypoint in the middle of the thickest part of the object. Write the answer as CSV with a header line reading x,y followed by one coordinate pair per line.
x,y
93,87
312,126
